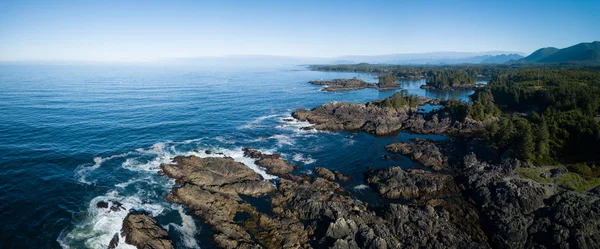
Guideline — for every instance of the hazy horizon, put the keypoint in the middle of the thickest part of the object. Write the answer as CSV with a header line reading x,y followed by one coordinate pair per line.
x,y
155,31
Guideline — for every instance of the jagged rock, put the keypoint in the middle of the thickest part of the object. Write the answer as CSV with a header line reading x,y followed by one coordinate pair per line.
x,y
570,220
211,187
325,173
341,177
102,204
422,151
595,191
249,152
371,118
275,166
114,242
395,183
141,230
428,227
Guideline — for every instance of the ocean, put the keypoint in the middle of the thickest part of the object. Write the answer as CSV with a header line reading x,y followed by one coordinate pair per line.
x,y
73,135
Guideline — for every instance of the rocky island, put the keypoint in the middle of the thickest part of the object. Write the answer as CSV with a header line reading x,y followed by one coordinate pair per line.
x,y
386,82
383,117
343,84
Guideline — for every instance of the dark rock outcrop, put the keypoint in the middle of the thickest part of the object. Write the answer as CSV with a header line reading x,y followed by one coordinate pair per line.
x,y
275,166
422,151
141,230
114,242
395,183
211,187
325,173
102,204
343,84
341,177
371,118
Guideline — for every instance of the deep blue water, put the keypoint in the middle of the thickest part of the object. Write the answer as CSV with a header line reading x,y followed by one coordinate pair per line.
x,y
71,136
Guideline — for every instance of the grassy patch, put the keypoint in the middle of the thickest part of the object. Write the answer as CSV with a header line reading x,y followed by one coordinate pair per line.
x,y
534,174
576,182
570,180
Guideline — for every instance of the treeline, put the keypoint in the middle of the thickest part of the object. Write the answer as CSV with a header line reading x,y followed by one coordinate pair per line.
x,y
399,101
551,115
449,78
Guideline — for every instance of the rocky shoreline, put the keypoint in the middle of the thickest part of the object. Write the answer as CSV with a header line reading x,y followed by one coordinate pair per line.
x,y
464,203
377,120
460,194
450,88
343,84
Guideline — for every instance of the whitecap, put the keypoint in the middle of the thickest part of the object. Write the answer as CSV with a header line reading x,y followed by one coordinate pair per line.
x,y
360,187
283,140
101,224
299,157
258,120
82,171
187,229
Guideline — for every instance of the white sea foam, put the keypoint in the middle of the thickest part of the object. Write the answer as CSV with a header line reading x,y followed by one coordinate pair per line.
x,y
283,140
101,224
361,187
299,157
187,229
257,121
238,155
82,171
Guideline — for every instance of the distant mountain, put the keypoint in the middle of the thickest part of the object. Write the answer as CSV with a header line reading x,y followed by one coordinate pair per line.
x,y
436,58
539,54
502,58
582,52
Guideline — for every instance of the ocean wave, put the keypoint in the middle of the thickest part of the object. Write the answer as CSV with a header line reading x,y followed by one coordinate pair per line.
x,y
187,229
253,123
101,224
98,226
299,157
360,187
283,140
82,171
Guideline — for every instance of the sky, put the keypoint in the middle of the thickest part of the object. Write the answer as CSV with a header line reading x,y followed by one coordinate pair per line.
x,y
153,30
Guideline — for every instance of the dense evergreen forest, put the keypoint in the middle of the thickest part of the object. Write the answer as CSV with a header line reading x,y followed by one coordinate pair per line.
x,y
542,114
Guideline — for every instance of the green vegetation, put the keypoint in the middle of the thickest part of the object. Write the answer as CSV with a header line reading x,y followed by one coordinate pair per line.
x,y
399,101
569,180
388,81
558,109
534,174
545,114
577,182
443,79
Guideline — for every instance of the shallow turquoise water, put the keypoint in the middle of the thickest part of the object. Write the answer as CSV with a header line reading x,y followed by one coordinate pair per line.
x,y
73,135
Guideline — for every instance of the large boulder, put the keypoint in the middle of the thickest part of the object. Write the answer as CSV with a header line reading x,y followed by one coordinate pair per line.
x,y
422,151
325,173
396,183
141,230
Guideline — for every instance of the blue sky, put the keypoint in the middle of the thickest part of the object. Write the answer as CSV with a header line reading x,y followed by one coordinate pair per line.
x,y
148,30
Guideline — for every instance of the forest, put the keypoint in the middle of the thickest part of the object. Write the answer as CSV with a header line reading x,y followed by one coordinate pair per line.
x,y
541,114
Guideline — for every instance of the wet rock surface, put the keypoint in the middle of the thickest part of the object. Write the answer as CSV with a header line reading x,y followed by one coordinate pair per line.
x,y
424,152
371,118
141,230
